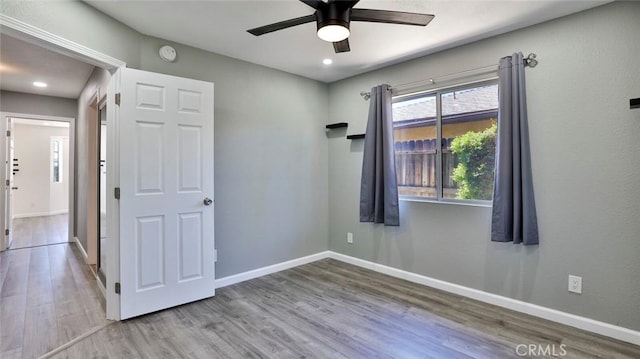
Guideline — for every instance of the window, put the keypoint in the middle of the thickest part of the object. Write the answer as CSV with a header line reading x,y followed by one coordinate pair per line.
x,y
445,143
56,161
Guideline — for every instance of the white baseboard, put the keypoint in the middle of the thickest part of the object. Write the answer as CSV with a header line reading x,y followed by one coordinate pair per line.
x,y
82,251
241,277
590,325
103,290
39,214
594,326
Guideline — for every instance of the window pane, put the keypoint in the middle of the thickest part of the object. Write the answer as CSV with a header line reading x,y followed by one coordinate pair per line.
x,y
469,123
56,172
56,161
414,122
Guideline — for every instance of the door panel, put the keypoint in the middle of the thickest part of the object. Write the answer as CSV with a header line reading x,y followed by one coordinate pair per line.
x,y
166,171
189,159
190,246
150,155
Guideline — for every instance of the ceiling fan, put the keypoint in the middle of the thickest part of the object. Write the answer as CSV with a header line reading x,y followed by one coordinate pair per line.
x,y
333,18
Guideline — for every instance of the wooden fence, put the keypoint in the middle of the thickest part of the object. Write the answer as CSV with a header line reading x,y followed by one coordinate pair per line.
x,y
416,166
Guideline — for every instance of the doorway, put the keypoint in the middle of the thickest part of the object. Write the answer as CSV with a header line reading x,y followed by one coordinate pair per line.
x,y
85,191
39,187
161,177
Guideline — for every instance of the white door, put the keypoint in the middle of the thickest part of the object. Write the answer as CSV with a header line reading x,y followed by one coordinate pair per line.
x,y
166,183
9,168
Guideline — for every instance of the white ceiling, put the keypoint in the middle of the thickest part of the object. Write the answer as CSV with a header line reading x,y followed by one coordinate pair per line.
x,y
22,63
220,27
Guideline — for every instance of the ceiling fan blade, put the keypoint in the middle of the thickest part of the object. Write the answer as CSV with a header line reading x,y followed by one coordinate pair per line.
x,y
341,46
391,17
282,25
313,3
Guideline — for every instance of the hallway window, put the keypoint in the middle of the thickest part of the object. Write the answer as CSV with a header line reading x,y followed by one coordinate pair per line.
x,y
56,160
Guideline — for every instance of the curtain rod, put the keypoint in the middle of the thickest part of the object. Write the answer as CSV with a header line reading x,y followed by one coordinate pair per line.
x,y
529,61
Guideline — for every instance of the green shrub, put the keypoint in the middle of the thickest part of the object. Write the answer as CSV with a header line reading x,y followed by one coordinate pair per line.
x,y
475,153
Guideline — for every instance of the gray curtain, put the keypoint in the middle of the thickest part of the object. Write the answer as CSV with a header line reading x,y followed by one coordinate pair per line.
x,y
379,190
514,209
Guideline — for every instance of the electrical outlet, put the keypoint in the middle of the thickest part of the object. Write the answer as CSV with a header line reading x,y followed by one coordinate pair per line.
x,y
349,237
575,284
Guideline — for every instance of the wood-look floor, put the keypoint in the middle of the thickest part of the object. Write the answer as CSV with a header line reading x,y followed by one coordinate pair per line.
x,y
326,309
47,297
37,231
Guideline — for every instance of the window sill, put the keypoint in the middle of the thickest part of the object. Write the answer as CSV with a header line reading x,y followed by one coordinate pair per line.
x,y
485,204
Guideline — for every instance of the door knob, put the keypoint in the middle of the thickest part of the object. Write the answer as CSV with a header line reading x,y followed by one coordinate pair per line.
x,y
14,187
207,201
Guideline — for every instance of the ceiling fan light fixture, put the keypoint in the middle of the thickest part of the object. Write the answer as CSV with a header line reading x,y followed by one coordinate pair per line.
x,y
333,20
333,33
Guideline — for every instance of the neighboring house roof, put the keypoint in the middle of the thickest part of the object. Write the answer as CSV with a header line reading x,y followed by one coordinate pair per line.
x,y
479,99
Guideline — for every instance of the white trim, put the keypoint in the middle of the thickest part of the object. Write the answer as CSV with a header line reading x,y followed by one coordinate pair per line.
x,y
82,251
40,214
244,276
112,267
53,42
572,320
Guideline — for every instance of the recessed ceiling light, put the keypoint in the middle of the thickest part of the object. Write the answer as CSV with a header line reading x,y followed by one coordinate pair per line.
x,y
39,84
327,61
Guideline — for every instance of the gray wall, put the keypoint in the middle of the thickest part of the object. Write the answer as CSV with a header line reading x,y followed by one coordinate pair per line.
x,y
586,167
271,157
38,105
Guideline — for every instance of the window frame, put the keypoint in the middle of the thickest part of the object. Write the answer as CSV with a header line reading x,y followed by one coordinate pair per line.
x,y
437,92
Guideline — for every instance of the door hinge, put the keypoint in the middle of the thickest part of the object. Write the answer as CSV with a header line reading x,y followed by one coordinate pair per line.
x,y
116,192
117,288
8,133
6,232
7,182
118,99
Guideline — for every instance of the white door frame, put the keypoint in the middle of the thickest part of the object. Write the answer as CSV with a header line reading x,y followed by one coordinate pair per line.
x,y
40,37
4,118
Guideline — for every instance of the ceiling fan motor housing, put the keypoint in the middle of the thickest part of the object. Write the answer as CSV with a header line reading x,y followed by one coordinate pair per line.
x,y
333,15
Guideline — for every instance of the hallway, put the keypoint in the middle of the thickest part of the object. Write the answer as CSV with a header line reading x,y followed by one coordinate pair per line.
x,y
48,298
37,231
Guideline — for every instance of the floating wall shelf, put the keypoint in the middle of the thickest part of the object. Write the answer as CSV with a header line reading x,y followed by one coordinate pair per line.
x,y
356,137
337,125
